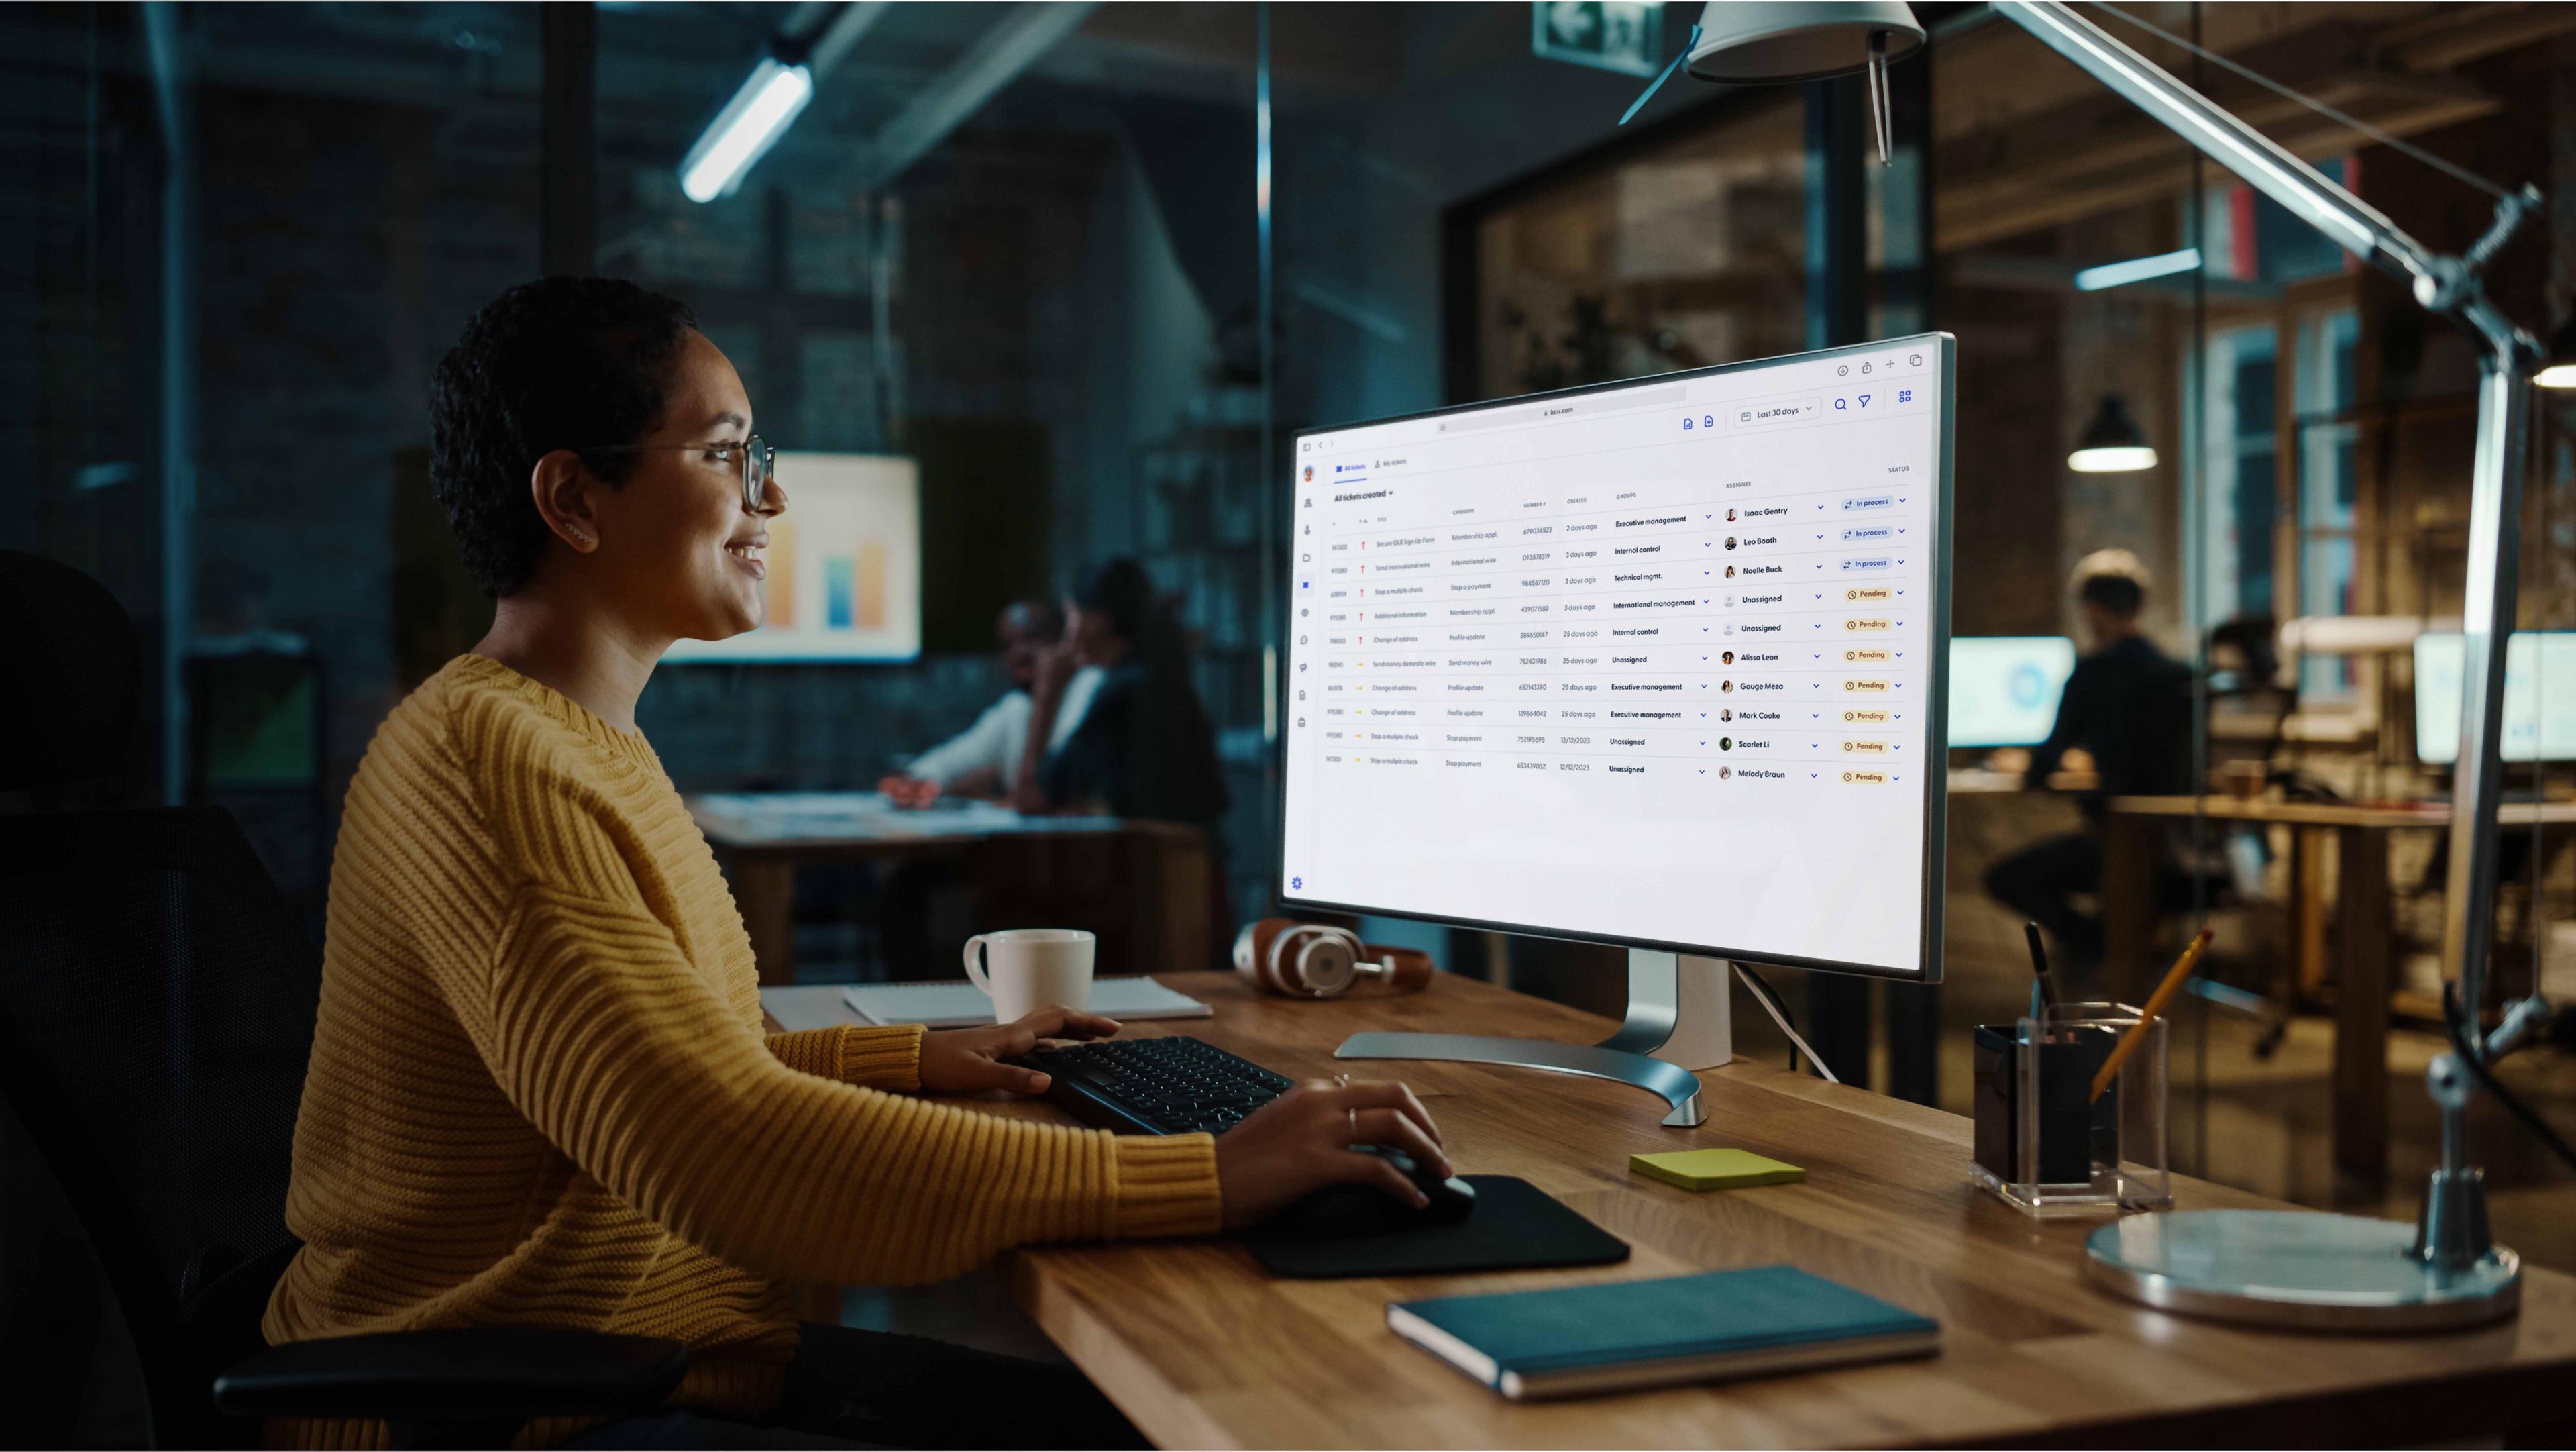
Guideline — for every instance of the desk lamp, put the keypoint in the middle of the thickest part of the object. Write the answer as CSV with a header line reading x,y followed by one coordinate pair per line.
x,y
2304,1269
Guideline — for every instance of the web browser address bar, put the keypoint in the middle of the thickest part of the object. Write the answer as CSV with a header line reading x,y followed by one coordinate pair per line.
x,y
1540,413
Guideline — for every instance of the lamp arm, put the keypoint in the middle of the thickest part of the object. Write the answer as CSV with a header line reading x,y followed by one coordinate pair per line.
x,y
2446,286
2219,134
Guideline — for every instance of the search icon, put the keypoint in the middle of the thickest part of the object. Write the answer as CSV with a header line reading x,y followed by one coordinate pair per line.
x,y
1841,404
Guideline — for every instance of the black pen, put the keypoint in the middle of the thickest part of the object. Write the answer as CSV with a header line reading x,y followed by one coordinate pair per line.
x,y
2041,986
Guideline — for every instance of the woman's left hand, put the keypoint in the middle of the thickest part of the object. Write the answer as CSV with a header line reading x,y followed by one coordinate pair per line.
x,y
965,1060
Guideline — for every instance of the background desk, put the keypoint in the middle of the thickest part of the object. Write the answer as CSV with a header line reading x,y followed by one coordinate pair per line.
x,y
2133,851
1143,886
1200,1348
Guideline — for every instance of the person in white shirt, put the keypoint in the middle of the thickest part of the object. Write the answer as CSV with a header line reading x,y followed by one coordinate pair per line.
x,y
984,760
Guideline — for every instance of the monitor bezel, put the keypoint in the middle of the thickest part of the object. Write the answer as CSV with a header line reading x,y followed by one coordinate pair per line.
x,y
1936,745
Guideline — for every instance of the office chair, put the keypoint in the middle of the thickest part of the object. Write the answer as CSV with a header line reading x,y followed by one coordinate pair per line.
x,y
156,1010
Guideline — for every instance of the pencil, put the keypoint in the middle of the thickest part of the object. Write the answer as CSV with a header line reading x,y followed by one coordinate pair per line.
x,y
2039,966
2137,1034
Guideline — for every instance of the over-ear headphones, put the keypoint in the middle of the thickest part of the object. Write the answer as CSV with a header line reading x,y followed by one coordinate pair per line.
x,y
1309,960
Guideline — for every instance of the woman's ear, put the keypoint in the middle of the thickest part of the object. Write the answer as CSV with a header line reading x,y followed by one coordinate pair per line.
x,y
561,488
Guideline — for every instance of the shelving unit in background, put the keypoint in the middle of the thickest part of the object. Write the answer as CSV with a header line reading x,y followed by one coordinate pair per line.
x,y
1197,528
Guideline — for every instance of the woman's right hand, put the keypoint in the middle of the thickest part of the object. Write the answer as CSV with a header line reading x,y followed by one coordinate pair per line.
x,y
1301,1142
1055,666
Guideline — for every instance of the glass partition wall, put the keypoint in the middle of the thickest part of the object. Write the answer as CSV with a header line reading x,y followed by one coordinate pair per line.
x,y
1087,266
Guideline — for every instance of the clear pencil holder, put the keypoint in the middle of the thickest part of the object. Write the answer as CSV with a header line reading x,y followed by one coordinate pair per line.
x,y
2044,1144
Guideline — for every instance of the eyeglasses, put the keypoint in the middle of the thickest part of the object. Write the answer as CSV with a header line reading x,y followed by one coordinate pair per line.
x,y
758,462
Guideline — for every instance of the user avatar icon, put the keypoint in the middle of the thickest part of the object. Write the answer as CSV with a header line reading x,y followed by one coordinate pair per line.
x,y
1730,516
1310,473
1724,714
1725,772
1730,572
1726,658
1725,687
1730,541
1726,743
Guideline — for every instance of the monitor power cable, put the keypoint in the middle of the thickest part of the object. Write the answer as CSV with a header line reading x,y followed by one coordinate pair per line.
x,y
1771,1004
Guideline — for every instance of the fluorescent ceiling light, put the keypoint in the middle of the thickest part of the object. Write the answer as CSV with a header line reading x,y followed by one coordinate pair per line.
x,y
2121,459
2136,269
2557,375
744,131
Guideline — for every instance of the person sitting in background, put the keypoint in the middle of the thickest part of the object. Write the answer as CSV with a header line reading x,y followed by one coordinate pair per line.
x,y
984,759
1144,748
2128,707
539,1091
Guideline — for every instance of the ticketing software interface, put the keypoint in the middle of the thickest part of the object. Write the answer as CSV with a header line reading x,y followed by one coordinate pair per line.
x,y
1651,663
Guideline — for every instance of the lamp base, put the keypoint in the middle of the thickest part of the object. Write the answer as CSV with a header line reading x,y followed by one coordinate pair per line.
x,y
2297,1268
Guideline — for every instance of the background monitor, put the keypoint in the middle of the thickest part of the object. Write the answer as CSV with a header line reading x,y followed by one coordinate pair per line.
x,y
844,565
1655,663
2539,697
2004,689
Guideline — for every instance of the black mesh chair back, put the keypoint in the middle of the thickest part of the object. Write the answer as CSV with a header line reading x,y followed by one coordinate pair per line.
x,y
157,1003
71,653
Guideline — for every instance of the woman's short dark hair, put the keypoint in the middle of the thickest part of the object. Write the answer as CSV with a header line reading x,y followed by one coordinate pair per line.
x,y
1120,591
562,363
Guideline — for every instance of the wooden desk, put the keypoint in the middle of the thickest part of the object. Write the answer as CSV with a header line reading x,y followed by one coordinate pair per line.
x,y
1200,1348
2133,852
1146,881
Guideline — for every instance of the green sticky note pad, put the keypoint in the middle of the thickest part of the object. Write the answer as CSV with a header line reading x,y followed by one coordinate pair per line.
x,y
1716,1169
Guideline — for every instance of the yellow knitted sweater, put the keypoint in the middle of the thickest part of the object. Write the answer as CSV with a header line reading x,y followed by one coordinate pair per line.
x,y
540,1093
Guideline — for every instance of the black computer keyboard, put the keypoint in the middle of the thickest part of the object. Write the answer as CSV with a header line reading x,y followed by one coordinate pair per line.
x,y
1156,1086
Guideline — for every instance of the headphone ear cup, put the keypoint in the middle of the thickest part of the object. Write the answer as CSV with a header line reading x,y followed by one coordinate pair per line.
x,y
1410,968
1327,963
1252,950
1278,973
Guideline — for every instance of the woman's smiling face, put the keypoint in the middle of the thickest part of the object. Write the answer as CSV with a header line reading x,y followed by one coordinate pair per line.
x,y
684,555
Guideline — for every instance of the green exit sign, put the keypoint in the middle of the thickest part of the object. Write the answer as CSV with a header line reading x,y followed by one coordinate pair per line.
x,y
1626,36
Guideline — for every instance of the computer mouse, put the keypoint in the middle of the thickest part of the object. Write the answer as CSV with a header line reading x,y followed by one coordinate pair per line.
x,y
1341,1210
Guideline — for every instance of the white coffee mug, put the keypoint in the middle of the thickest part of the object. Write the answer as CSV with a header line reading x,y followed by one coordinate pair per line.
x,y
1025,969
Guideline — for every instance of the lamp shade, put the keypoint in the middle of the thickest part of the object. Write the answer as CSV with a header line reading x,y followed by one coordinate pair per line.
x,y
2113,443
2558,366
1756,41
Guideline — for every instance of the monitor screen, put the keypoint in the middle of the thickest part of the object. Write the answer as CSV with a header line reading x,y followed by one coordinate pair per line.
x,y
844,565
2539,697
1655,663
2004,688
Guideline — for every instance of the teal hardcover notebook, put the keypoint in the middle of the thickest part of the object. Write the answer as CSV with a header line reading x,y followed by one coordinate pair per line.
x,y
1533,1344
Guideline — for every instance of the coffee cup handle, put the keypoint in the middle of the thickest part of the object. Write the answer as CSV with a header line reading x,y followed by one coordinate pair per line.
x,y
975,964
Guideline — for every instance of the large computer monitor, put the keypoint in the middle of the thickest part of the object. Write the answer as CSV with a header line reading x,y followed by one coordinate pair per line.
x,y
844,566
1656,663
2004,689
2539,697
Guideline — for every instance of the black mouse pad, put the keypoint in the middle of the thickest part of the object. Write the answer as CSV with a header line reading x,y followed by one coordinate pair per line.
x,y
1515,1226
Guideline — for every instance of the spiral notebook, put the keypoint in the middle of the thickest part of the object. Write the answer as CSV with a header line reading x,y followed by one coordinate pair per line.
x,y
958,1005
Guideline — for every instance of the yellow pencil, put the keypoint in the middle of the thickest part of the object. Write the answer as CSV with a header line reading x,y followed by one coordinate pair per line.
x,y
2137,1034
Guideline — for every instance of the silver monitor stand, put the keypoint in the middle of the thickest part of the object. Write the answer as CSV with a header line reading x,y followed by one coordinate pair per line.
x,y
1678,1020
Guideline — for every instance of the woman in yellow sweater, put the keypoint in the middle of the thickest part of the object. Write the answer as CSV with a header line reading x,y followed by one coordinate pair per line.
x,y
540,1093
